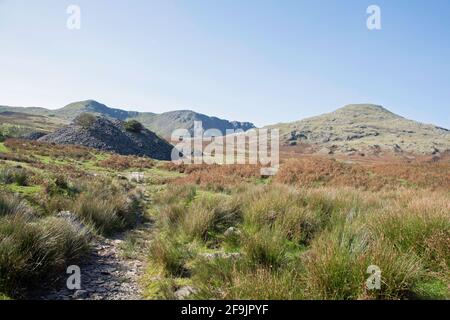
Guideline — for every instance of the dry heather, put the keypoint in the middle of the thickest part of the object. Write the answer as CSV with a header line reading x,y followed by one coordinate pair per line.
x,y
35,148
215,177
315,171
120,162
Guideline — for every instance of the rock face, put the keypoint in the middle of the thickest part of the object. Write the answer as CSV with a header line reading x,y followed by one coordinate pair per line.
x,y
110,135
365,127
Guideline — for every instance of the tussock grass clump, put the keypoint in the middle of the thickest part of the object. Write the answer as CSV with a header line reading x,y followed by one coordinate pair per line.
x,y
171,215
107,205
31,248
176,194
286,210
235,279
17,175
171,254
106,215
210,215
336,267
266,247
68,241
11,205
420,223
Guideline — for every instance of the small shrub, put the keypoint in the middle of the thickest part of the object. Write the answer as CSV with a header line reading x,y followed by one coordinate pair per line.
x,y
85,120
133,126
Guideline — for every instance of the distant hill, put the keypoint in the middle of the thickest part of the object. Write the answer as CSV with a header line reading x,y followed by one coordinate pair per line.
x,y
108,134
162,124
365,127
165,123
15,124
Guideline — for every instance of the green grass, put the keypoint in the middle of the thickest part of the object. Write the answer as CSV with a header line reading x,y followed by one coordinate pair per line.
x,y
3,148
4,297
23,190
314,243
434,289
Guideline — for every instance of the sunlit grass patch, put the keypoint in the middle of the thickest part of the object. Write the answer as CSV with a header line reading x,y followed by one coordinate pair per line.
x,y
3,148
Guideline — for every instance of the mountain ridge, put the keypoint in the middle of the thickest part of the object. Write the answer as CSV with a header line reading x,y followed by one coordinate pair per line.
x,y
162,124
351,129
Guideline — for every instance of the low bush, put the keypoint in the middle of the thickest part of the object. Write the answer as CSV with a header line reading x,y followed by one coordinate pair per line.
x,y
85,120
133,126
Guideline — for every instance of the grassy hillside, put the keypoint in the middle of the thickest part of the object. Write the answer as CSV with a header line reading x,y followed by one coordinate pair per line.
x,y
14,124
368,128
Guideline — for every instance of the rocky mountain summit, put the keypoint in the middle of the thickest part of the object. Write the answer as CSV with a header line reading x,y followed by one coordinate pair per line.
x,y
365,127
111,135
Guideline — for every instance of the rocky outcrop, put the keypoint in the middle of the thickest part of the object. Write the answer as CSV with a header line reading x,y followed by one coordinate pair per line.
x,y
110,135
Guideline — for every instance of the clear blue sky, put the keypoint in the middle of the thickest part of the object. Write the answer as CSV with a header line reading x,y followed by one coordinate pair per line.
x,y
250,60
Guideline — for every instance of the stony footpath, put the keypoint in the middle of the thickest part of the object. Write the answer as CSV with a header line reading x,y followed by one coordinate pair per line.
x,y
106,272
105,275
